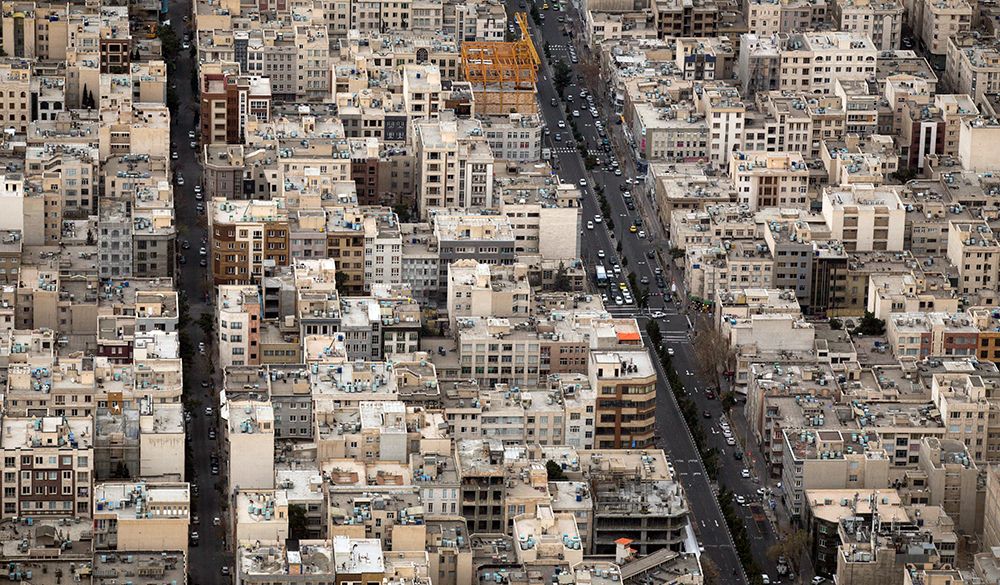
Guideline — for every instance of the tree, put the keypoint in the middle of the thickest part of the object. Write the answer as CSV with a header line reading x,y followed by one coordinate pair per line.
x,y
728,400
710,571
340,279
403,212
562,76
713,355
791,547
87,98
207,323
297,521
643,297
655,335
561,283
870,325
554,471
169,42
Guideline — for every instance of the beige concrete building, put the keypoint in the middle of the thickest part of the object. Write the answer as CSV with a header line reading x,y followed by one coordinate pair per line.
x,y
770,179
881,20
482,290
830,459
141,516
954,481
250,434
813,62
238,314
454,165
991,512
976,142
865,217
973,65
974,251
941,20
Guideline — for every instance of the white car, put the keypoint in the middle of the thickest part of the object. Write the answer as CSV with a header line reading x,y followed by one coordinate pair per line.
x,y
657,314
745,474
598,219
590,225
619,301
601,254
561,124
670,351
191,134
583,182
740,500
576,113
642,234
817,580
180,180
731,442
202,251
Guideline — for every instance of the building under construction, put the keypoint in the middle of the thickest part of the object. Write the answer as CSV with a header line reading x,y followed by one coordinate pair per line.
x,y
503,74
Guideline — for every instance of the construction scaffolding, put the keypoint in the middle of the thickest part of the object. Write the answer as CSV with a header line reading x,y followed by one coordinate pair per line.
x,y
503,74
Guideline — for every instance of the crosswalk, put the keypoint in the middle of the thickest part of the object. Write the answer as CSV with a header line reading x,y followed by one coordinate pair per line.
x,y
564,150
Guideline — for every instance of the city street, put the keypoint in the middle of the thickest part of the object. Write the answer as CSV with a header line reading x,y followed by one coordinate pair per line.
x,y
211,553
674,324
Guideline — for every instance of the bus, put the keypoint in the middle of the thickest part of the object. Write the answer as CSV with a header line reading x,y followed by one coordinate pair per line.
x,y
602,275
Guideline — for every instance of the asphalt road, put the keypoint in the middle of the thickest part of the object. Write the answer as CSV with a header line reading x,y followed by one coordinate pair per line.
x,y
206,559
674,324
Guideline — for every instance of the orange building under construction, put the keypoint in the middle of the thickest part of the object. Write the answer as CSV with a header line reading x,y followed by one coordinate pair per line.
x,y
503,74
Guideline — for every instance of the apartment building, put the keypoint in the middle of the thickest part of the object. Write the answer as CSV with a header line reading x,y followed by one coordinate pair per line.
x,y
880,20
954,481
454,165
671,133
625,385
230,102
724,113
975,253
932,334
973,65
141,516
487,239
865,217
483,290
765,179
676,18
238,322
16,100
542,212
515,137
383,248
246,238
814,61
940,21
48,466
758,68
249,431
